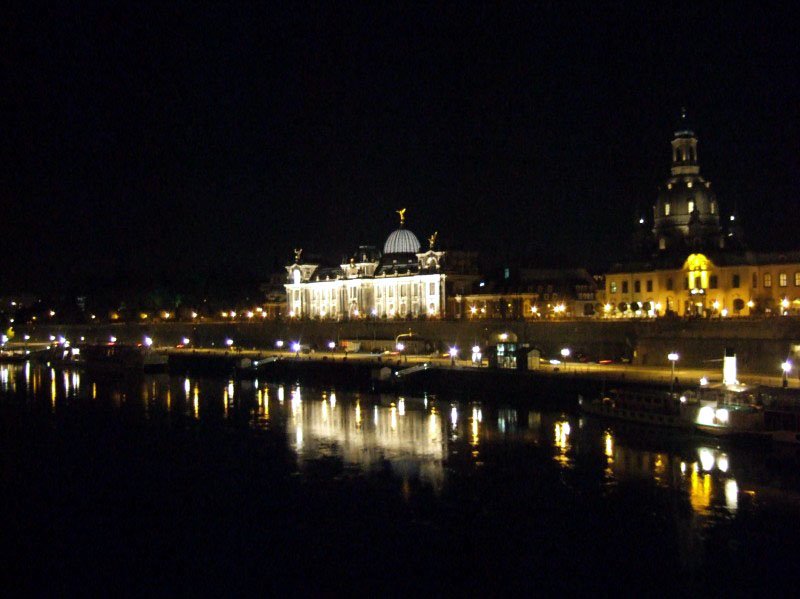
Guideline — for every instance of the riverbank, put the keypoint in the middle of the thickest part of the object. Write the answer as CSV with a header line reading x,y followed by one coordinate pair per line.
x,y
760,344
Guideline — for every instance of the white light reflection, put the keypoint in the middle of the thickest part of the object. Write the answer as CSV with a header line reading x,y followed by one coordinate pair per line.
x,y
706,459
731,495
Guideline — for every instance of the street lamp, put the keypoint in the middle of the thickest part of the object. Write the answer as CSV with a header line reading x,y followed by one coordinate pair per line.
x,y
400,346
672,357
565,354
229,342
453,354
786,367
148,342
331,345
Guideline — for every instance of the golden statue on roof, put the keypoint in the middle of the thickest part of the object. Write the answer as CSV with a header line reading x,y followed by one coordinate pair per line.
x,y
432,239
402,213
297,254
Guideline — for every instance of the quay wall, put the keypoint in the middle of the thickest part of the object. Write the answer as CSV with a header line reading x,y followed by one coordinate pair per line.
x,y
761,345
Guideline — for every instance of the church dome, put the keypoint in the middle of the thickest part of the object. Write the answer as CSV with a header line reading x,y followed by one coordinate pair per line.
x,y
401,241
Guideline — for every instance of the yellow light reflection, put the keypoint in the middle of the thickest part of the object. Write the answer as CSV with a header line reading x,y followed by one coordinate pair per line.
x,y
699,491
475,427
196,402
401,407
94,390
609,443
358,415
280,393
393,417
325,411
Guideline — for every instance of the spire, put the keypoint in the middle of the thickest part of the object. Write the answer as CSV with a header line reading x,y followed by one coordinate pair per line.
x,y
684,148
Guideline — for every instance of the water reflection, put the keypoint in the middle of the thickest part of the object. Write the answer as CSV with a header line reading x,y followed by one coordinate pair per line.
x,y
423,439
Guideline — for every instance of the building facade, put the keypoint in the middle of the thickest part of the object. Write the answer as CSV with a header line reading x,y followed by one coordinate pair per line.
x,y
690,265
534,294
402,281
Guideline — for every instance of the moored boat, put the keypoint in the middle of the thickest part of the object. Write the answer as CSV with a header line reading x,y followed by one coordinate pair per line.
x,y
655,408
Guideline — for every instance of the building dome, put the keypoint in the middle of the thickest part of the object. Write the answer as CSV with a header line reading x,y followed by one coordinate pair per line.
x,y
401,241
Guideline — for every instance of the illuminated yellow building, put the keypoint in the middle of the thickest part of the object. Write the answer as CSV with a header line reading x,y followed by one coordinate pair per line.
x,y
691,265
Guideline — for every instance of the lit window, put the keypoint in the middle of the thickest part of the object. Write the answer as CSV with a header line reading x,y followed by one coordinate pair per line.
x,y
797,279
689,185
613,286
662,243
691,205
783,279
767,280
666,209
713,207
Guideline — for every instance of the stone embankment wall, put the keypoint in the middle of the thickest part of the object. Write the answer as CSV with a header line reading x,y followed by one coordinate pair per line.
x,y
761,345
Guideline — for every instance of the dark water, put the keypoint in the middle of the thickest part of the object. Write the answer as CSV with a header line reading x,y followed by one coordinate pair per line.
x,y
160,484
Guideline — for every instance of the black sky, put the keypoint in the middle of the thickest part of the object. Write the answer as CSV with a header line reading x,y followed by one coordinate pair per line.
x,y
172,143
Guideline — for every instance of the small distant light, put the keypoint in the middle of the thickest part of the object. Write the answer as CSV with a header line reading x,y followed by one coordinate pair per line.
x,y
641,221
374,312
555,362
331,344
52,313
229,342
400,346
787,366
356,312
295,347
733,217
112,339
503,336
249,314
62,340
186,341
93,316
482,284
52,337
476,349
27,337
233,313
279,343
453,352
683,399
148,341
83,338
565,352
703,381
194,314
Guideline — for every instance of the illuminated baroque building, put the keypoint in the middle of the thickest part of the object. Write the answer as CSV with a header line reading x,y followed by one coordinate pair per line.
x,y
403,281
689,265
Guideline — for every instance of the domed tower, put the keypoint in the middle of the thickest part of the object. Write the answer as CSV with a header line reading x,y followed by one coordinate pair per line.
x,y
401,241
686,214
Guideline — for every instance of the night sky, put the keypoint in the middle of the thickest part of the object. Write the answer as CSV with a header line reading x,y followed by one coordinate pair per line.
x,y
155,145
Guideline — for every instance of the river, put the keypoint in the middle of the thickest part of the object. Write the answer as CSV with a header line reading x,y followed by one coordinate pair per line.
x,y
157,483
